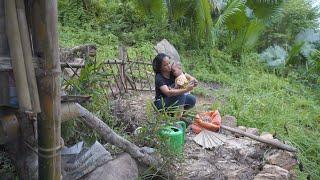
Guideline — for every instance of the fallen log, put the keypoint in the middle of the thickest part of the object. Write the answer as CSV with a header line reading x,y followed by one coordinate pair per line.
x,y
273,143
73,110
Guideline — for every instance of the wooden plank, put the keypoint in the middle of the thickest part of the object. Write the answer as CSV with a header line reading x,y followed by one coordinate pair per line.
x,y
5,63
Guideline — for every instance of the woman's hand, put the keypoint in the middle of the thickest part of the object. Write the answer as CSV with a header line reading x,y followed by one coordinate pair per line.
x,y
192,79
195,82
190,86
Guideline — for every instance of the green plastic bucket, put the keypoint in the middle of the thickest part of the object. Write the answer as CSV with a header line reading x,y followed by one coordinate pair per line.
x,y
174,138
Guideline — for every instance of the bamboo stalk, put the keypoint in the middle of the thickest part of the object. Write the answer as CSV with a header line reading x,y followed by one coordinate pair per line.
x,y
18,65
27,54
45,43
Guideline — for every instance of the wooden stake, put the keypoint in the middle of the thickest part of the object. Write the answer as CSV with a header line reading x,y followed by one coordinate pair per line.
x,y
16,53
27,54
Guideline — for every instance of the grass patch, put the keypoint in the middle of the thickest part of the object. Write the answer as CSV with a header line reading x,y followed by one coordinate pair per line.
x,y
260,99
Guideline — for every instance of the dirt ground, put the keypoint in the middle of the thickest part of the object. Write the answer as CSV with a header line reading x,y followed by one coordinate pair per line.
x,y
237,158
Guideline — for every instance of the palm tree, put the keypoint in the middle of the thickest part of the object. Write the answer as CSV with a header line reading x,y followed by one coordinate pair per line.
x,y
245,21
192,15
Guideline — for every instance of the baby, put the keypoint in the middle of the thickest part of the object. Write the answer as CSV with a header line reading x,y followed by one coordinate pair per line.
x,y
181,79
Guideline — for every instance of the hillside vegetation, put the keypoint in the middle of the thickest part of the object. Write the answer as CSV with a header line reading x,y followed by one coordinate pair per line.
x,y
264,55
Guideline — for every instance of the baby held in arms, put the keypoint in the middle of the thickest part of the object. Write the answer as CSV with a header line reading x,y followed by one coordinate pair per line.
x,y
181,79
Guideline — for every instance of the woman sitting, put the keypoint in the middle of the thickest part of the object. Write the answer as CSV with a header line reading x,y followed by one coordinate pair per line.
x,y
166,94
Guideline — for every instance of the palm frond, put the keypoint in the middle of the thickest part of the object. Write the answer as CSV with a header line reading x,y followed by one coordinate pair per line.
x,y
247,37
178,8
267,1
200,21
274,56
232,7
254,30
264,9
295,50
203,20
147,7
218,5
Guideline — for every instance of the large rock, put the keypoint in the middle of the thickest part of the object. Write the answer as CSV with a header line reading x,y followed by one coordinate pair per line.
x,y
165,47
237,158
272,172
77,165
121,168
281,158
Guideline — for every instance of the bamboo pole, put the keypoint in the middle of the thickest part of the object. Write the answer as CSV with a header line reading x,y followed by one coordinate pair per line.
x,y
27,54
45,41
18,65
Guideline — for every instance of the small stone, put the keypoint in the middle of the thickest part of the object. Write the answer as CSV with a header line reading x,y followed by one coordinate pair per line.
x,y
241,128
266,135
253,131
282,159
272,172
230,121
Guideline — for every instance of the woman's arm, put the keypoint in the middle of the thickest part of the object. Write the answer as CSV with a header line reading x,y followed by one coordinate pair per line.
x,y
175,92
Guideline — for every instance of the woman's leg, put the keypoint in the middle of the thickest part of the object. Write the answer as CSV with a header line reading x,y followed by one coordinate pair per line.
x,y
190,101
172,101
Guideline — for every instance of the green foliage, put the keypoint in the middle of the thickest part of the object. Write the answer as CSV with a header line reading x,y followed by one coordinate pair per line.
x,y
147,7
231,8
264,9
274,56
295,16
255,95
192,15
295,50
247,38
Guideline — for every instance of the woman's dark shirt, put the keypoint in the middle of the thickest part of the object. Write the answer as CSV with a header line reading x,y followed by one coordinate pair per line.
x,y
160,81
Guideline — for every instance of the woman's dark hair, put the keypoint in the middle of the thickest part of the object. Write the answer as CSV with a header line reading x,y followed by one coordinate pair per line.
x,y
157,61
